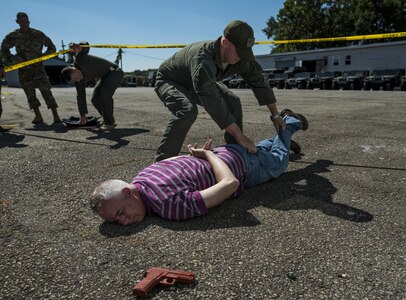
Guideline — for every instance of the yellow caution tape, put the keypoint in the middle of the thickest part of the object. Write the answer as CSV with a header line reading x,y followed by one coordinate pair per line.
x,y
33,61
333,39
135,46
344,38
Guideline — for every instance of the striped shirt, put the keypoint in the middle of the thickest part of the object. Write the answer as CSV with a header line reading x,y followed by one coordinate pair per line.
x,y
171,188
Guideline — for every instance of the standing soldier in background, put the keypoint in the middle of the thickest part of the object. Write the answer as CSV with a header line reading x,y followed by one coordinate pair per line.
x,y
28,43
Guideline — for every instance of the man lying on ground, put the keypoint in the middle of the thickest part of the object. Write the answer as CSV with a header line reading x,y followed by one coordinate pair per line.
x,y
187,186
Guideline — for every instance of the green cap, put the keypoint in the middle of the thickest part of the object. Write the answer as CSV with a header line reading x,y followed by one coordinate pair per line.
x,y
242,36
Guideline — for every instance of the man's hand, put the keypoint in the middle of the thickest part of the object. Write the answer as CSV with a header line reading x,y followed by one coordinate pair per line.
x,y
247,143
241,139
277,120
279,124
75,47
83,120
199,152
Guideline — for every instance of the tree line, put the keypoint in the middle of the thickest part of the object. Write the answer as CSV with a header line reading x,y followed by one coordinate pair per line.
x,y
306,19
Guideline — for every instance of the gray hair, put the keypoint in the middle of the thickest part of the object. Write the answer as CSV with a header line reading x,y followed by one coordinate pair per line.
x,y
106,190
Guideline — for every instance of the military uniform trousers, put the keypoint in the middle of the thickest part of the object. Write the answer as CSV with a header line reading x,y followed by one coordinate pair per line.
x,y
32,78
102,98
182,103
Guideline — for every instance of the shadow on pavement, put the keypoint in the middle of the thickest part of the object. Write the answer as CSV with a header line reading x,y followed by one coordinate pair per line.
x,y
117,135
305,189
296,190
57,127
11,140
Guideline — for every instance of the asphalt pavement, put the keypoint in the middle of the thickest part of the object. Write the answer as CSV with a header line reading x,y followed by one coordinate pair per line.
x,y
332,227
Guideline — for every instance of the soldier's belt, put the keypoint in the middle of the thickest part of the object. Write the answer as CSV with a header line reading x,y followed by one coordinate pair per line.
x,y
316,40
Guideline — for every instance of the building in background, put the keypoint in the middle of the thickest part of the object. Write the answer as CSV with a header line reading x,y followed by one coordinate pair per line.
x,y
370,57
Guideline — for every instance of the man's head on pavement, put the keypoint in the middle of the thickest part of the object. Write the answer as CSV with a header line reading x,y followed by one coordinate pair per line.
x,y
23,21
241,36
72,74
117,201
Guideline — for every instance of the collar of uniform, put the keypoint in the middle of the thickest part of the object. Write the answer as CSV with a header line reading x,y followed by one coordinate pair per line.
x,y
217,54
20,31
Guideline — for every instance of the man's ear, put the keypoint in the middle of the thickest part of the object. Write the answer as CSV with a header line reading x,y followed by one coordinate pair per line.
x,y
126,191
225,42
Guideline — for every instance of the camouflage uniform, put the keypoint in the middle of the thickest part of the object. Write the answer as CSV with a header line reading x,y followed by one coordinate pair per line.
x,y
28,46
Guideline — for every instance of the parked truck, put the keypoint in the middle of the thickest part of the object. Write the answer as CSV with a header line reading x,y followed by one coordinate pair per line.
x,y
350,80
386,79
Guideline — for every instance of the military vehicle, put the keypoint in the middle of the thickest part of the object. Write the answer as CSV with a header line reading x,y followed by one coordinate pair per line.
x,y
152,78
299,80
237,82
350,80
388,79
403,83
129,81
322,80
278,80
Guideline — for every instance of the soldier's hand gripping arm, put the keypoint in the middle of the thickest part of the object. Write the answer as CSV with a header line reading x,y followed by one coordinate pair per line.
x,y
241,138
277,120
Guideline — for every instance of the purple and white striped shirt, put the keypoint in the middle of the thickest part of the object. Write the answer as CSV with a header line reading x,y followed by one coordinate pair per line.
x,y
170,188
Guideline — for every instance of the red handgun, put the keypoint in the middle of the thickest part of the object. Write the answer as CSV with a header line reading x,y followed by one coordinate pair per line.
x,y
165,277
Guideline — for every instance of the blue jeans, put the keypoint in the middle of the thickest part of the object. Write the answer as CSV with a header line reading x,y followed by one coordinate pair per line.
x,y
272,156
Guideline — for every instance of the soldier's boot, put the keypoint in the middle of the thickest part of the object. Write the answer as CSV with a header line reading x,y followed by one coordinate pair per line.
x,y
38,117
56,116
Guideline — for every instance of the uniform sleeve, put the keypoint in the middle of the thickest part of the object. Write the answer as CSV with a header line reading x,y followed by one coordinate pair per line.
x,y
182,206
48,43
252,74
204,84
6,45
81,97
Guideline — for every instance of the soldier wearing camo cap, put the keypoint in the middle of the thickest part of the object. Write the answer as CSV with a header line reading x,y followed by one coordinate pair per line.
x,y
28,43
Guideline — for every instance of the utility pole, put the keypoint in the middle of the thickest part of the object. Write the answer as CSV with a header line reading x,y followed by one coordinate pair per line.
x,y
119,58
63,48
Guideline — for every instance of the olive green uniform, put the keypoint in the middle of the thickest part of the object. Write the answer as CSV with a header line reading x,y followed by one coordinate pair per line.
x,y
192,77
110,78
28,45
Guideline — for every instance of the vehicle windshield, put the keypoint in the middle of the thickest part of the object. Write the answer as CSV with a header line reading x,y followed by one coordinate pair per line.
x,y
326,74
354,73
281,76
385,72
302,74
